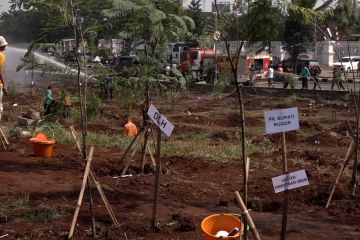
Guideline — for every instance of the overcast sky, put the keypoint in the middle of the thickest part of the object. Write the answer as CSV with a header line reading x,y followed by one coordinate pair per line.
x,y
4,5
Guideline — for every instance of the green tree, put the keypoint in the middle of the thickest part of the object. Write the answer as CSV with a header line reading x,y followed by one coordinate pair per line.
x,y
194,11
153,23
51,20
298,35
21,25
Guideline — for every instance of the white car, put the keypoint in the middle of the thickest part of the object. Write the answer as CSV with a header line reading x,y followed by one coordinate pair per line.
x,y
348,63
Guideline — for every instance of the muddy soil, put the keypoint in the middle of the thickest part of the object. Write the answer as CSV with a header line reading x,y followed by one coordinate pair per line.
x,y
39,195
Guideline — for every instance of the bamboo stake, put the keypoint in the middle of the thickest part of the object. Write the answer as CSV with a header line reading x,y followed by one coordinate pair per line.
x,y
286,193
73,132
247,168
97,184
4,136
349,154
151,155
157,181
104,199
82,190
2,143
245,212
136,144
143,151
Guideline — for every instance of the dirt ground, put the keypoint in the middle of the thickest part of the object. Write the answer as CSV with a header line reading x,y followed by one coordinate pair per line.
x,y
39,195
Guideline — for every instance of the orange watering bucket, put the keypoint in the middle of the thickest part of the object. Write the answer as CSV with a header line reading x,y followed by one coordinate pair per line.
x,y
42,145
212,224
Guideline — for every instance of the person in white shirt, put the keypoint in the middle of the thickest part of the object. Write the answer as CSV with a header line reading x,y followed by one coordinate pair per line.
x,y
270,76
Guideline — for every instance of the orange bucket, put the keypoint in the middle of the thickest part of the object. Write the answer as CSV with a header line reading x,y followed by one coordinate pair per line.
x,y
43,146
221,222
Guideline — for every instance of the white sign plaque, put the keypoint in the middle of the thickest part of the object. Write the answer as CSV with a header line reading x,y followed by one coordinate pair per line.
x,y
290,181
282,120
161,121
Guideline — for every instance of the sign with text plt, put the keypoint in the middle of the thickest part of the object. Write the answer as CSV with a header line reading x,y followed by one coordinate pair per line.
x,y
282,120
290,181
161,121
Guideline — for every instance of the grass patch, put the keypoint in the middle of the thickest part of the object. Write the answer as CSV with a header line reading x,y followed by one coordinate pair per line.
x,y
63,135
226,153
21,203
198,136
43,214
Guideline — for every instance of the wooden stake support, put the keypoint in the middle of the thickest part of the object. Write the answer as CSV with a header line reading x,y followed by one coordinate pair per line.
x,y
4,136
3,139
97,184
143,151
350,152
82,190
245,212
151,155
286,193
157,180
144,134
135,142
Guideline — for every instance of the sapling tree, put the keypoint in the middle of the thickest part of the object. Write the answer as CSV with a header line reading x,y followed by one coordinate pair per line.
x,y
252,19
250,12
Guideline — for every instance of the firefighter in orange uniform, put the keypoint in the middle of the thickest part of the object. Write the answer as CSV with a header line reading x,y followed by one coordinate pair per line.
x,y
130,129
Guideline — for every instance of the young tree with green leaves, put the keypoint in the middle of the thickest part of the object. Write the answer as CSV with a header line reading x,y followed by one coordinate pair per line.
x,y
153,23
194,11
298,35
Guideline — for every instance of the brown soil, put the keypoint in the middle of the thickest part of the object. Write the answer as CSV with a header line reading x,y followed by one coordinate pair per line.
x,y
190,189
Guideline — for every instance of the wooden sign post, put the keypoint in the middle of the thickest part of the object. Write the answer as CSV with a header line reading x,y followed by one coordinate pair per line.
x,y
287,193
164,125
157,180
281,121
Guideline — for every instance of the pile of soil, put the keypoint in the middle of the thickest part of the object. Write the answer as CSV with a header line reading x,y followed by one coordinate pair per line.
x,y
325,139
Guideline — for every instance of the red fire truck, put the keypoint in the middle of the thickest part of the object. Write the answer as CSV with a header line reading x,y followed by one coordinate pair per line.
x,y
260,63
202,61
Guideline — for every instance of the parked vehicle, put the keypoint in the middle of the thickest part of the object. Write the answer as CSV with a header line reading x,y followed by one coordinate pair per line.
x,y
348,63
177,48
299,64
122,62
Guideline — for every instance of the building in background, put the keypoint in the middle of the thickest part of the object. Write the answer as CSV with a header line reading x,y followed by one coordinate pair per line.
x,y
209,6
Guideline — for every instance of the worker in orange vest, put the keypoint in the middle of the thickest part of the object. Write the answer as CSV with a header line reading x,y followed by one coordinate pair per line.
x,y
130,129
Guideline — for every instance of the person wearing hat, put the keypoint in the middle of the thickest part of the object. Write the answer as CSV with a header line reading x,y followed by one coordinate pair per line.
x,y
3,44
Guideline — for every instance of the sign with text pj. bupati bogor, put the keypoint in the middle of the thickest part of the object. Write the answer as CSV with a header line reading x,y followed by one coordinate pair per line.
x,y
290,181
161,121
282,120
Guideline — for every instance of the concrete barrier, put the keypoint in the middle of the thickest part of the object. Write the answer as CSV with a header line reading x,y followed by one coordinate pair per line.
x,y
281,92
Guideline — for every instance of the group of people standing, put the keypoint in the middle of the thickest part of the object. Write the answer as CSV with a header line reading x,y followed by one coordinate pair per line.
x,y
306,74
313,73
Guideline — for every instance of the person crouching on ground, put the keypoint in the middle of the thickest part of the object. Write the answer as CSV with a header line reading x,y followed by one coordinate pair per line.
x,y
48,101
3,88
130,129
